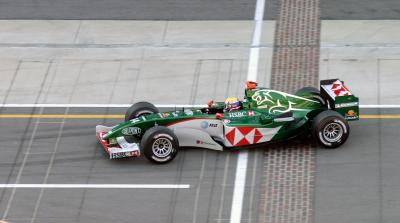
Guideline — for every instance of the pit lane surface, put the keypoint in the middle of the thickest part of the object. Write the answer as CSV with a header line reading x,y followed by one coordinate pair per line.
x,y
186,10
360,182
356,183
66,151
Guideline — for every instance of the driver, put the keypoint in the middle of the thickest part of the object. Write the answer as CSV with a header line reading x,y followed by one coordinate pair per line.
x,y
232,104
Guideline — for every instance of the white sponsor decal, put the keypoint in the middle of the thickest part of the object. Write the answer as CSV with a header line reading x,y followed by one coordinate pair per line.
x,y
131,131
237,114
344,105
206,143
188,112
227,121
133,121
351,117
124,154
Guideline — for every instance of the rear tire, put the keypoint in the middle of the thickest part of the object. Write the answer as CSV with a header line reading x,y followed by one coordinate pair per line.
x,y
330,129
306,90
140,109
314,92
160,145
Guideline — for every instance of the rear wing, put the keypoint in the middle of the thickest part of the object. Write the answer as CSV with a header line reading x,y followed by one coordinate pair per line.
x,y
340,99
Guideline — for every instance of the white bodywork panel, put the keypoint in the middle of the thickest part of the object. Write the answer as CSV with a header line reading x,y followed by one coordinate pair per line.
x,y
213,127
199,133
125,149
102,128
196,138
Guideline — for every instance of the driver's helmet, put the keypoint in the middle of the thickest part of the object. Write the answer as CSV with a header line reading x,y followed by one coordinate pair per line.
x,y
232,104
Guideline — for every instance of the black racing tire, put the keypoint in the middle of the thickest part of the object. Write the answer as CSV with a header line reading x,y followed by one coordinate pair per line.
x,y
330,129
313,91
306,90
139,109
159,144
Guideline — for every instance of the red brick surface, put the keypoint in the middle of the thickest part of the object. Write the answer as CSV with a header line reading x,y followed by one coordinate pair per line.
x,y
287,185
296,48
288,177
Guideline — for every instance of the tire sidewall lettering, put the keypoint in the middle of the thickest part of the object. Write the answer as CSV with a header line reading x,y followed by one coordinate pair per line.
x,y
173,149
164,136
322,138
342,124
143,112
161,160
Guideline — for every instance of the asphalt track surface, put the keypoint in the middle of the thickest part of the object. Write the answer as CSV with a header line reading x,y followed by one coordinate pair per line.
x,y
186,9
356,183
78,158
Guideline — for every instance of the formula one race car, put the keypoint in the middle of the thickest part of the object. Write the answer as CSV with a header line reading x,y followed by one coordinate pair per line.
x,y
265,116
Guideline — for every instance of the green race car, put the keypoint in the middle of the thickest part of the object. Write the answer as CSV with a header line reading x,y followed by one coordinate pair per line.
x,y
264,116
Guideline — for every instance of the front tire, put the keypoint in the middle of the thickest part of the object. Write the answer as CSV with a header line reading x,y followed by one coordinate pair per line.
x,y
330,129
160,145
140,109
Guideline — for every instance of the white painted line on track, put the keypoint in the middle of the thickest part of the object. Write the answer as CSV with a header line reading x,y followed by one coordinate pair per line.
x,y
255,45
128,105
94,106
238,190
98,186
379,106
252,71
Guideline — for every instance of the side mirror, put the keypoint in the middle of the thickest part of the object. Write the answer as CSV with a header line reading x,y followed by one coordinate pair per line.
x,y
285,117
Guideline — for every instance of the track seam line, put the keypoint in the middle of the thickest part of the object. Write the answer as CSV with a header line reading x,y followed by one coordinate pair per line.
x,y
50,165
196,200
36,125
253,183
97,186
224,179
32,138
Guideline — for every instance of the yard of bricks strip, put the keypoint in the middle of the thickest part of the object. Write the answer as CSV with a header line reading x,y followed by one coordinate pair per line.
x,y
287,184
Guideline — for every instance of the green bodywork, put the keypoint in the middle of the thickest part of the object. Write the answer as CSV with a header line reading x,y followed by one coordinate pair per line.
x,y
348,107
261,108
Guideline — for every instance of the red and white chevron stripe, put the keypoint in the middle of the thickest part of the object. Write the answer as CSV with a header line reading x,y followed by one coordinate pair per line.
x,y
241,136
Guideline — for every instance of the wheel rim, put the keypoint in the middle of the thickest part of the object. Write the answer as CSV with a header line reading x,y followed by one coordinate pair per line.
x,y
333,132
162,147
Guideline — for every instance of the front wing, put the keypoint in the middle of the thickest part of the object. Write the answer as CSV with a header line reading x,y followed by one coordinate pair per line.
x,y
121,149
